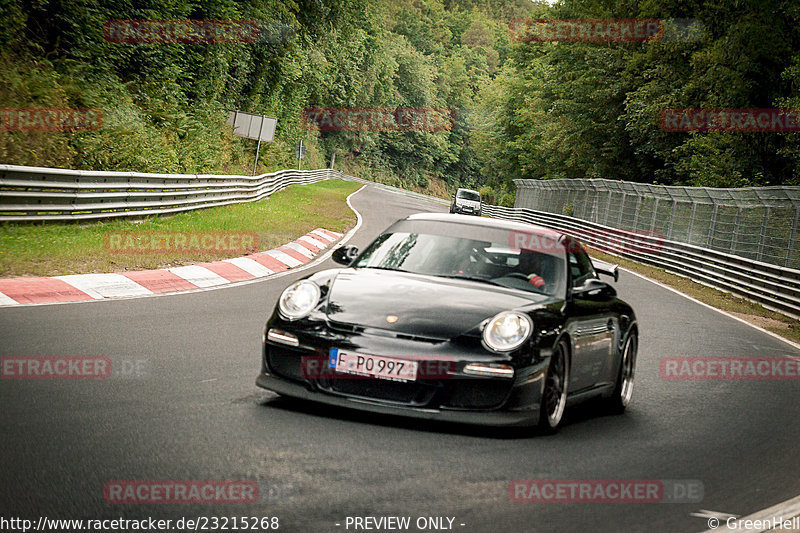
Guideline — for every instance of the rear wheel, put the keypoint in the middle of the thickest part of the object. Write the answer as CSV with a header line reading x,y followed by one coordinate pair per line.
x,y
627,368
554,398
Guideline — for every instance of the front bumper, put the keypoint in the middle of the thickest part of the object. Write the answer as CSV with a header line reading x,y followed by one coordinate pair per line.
x,y
455,397
484,418
467,211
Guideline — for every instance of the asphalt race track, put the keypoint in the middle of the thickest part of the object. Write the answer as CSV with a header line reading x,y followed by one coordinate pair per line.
x,y
191,411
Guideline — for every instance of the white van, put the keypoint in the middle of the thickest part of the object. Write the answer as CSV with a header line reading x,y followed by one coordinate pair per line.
x,y
466,202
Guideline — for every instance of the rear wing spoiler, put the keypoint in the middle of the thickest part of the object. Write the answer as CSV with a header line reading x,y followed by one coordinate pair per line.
x,y
601,267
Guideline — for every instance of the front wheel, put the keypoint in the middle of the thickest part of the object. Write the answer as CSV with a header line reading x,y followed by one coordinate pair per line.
x,y
554,398
624,388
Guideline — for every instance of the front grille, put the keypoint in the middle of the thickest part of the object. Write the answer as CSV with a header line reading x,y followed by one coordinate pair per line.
x,y
413,393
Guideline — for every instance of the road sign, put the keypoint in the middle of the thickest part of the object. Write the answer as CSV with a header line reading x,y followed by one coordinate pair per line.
x,y
250,126
256,127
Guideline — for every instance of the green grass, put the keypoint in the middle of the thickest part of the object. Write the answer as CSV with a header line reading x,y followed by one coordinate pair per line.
x,y
51,249
753,312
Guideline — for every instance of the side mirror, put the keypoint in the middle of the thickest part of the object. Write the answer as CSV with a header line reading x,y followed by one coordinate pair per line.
x,y
601,267
345,255
594,289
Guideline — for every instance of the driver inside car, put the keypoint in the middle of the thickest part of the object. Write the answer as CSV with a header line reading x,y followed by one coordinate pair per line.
x,y
532,265
465,262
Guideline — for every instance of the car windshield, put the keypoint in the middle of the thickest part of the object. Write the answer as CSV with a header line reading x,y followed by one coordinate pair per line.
x,y
467,258
469,195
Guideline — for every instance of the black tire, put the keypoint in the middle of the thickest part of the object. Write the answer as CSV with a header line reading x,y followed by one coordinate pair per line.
x,y
554,396
623,388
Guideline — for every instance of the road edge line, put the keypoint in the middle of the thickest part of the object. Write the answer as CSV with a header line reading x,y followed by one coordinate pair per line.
x,y
793,344
786,510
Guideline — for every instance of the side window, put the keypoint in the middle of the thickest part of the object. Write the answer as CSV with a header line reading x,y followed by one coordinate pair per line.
x,y
580,267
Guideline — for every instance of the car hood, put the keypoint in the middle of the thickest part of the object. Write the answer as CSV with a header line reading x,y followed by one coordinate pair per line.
x,y
425,306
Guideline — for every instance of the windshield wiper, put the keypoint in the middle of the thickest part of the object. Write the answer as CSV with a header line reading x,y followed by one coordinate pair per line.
x,y
468,278
389,268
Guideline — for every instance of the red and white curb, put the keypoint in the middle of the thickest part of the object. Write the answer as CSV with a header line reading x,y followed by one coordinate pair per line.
x,y
83,287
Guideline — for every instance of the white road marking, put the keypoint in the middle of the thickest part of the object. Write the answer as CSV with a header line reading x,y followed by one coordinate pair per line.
x,y
284,258
253,268
300,249
324,235
783,511
5,300
100,286
313,242
705,513
695,300
200,276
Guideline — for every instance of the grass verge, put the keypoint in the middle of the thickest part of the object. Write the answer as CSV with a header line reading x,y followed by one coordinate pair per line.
x,y
752,312
52,249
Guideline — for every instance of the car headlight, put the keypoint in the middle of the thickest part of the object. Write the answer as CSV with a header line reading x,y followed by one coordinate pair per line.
x,y
507,331
298,300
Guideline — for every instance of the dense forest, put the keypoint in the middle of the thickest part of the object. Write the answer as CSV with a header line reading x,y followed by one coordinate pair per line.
x,y
521,108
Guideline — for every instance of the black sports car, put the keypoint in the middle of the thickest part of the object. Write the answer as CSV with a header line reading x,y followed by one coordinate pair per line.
x,y
457,318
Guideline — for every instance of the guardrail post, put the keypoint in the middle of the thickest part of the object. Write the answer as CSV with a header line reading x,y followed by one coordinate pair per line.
x,y
672,219
735,238
653,220
792,237
713,225
608,207
589,216
568,202
691,223
636,212
763,235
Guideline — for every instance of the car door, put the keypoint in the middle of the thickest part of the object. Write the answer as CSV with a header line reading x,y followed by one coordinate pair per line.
x,y
591,324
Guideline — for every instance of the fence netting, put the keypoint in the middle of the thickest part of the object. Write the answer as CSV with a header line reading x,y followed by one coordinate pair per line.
x,y
759,223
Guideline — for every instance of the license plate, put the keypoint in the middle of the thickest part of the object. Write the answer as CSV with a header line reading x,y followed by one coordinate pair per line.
x,y
373,365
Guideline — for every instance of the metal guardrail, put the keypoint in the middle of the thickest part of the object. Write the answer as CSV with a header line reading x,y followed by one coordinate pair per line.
x,y
40,194
775,287
342,175
760,223
37,194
